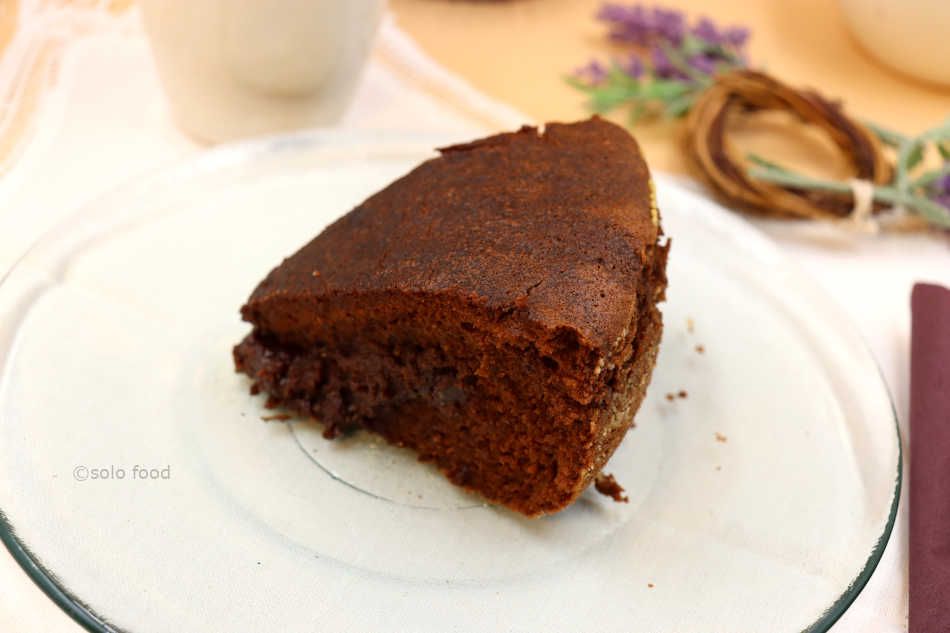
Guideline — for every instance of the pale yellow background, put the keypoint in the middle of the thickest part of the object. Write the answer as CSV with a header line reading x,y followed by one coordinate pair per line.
x,y
518,51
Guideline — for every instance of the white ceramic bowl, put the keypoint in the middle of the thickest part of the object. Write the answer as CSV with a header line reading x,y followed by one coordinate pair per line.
x,y
238,68
912,36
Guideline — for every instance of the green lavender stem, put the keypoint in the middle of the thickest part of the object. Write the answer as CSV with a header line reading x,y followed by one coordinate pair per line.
x,y
889,137
903,191
679,61
930,177
931,211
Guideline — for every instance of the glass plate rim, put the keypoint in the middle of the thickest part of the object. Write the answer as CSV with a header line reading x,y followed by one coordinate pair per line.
x,y
245,150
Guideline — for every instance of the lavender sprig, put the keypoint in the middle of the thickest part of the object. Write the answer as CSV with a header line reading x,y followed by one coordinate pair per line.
x,y
928,195
670,62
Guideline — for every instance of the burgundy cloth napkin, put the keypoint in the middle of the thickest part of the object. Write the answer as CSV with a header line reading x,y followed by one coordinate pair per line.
x,y
930,460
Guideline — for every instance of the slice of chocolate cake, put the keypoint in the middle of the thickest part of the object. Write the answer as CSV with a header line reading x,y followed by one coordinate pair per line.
x,y
494,310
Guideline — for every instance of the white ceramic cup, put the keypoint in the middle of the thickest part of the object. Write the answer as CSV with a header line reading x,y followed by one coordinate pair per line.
x,y
236,68
912,36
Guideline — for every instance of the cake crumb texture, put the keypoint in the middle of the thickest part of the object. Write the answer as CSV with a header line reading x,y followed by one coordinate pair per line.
x,y
495,310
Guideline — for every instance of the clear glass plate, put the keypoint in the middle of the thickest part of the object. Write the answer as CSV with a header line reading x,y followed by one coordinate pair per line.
x,y
141,489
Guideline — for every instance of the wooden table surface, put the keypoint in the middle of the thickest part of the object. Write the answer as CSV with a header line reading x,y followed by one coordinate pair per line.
x,y
518,52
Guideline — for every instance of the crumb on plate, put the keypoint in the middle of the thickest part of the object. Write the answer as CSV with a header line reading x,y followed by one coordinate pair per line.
x,y
606,485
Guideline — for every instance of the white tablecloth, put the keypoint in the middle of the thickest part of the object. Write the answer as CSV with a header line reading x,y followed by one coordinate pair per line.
x,y
105,121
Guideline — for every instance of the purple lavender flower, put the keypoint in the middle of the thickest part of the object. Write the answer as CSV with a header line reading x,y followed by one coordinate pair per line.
x,y
663,66
669,25
736,36
593,72
638,25
634,67
671,58
706,30
627,23
944,184
940,190
704,63
649,26
732,36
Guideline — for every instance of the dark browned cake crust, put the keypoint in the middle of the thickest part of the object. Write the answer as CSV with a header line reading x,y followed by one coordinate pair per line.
x,y
494,310
606,485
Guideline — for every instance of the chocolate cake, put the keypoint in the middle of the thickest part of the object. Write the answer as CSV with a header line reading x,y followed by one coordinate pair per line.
x,y
493,310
